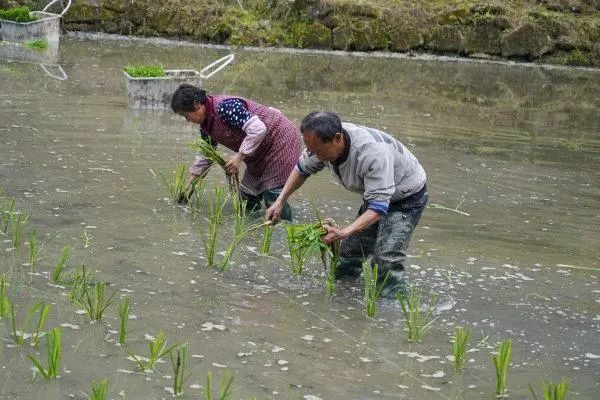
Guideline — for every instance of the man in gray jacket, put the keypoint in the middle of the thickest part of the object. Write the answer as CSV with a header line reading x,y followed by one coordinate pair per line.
x,y
385,172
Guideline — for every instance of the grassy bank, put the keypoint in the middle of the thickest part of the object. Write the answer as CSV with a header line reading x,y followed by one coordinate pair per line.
x,y
555,31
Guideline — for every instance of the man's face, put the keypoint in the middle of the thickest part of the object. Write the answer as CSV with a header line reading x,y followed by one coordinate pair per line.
x,y
197,116
325,151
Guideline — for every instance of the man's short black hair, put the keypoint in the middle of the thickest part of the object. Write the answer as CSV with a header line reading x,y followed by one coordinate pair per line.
x,y
185,96
324,124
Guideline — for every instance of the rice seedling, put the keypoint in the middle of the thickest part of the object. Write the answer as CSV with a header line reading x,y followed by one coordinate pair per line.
x,y
177,184
86,239
461,341
37,44
330,277
239,205
418,322
372,287
553,391
226,390
18,220
267,237
99,390
145,71
17,14
179,363
211,153
215,207
95,304
501,363
123,318
158,349
54,347
80,281
195,194
34,250
19,332
4,303
65,254
8,207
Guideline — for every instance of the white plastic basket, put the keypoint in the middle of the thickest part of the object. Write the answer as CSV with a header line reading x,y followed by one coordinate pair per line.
x,y
46,27
156,93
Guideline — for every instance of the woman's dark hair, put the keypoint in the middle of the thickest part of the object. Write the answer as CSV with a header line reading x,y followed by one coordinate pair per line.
x,y
185,96
324,124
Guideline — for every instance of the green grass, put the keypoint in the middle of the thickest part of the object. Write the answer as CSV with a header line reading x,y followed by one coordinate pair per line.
x,y
37,44
158,349
501,363
461,341
177,185
179,363
226,391
145,71
418,322
17,14
373,287
123,318
553,391
65,254
54,347
99,390
94,303
18,332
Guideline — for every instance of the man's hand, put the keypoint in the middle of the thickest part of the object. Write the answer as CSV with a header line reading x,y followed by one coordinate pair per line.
x,y
333,234
274,212
233,164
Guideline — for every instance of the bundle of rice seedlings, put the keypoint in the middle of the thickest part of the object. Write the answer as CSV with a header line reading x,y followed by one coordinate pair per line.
x,y
306,239
373,287
417,321
54,347
65,254
211,153
177,184
6,211
225,392
553,391
179,363
461,341
4,303
34,250
501,363
99,390
158,349
267,237
123,309
19,332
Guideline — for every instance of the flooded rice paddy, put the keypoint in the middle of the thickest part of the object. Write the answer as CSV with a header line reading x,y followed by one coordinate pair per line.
x,y
509,241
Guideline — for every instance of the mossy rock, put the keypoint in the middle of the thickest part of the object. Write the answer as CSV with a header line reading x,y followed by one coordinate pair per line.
x,y
448,38
343,37
555,24
483,39
405,39
527,40
313,35
455,16
370,35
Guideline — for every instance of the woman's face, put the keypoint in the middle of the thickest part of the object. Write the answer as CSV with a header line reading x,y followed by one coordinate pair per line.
x,y
197,116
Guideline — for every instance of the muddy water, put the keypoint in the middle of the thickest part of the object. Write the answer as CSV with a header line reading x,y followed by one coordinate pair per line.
x,y
509,241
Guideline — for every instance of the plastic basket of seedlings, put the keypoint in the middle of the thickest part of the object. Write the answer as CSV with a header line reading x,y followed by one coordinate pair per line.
x,y
152,86
18,24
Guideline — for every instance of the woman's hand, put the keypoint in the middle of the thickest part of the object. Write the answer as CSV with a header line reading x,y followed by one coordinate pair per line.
x,y
274,212
233,164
